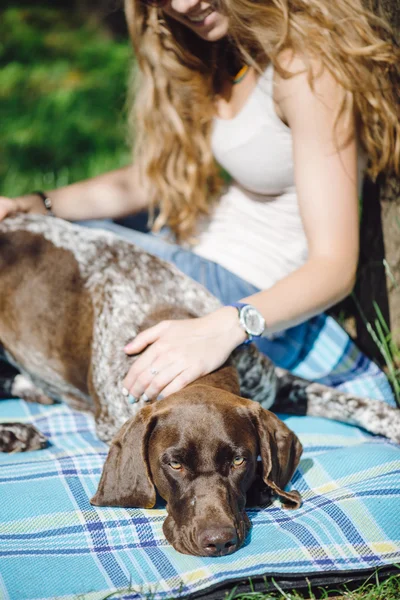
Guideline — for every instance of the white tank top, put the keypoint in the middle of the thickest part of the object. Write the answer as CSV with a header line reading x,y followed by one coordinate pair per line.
x,y
255,231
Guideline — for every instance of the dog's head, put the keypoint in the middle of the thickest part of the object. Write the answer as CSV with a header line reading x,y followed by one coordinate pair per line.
x,y
199,449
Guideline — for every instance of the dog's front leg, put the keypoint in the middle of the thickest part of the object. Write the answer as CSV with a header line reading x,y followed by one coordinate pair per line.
x,y
112,411
109,365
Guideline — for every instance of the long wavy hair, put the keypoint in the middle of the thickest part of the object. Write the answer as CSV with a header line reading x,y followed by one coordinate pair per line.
x,y
179,75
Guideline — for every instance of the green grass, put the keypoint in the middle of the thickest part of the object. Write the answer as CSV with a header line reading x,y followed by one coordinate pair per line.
x,y
62,106
386,343
62,99
372,589
389,349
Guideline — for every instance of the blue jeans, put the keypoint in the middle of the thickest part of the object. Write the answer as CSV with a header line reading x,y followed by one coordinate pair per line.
x,y
219,281
318,349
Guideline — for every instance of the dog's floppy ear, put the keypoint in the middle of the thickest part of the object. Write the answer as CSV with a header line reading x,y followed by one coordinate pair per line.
x,y
126,480
280,452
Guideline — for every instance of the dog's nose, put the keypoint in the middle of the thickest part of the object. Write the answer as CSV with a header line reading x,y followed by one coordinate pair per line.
x,y
218,541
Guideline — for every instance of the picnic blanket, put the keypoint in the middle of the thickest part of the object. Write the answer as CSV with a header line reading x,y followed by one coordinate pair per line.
x,y
54,544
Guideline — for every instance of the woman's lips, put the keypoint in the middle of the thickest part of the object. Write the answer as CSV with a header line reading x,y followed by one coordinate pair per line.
x,y
203,19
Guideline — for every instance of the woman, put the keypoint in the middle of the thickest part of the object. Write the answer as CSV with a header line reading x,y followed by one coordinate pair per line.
x,y
291,98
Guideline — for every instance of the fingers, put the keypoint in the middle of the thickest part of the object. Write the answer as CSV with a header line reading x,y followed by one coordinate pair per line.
x,y
154,384
25,204
143,339
160,370
10,206
173,354
7,207
139,369
181,381
155,369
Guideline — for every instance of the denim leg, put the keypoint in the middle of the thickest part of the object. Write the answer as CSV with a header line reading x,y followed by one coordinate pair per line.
x,y
154,244
223,284
319,349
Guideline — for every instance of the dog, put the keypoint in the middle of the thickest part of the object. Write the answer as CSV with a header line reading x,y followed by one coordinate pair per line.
x,y
198,448
70,300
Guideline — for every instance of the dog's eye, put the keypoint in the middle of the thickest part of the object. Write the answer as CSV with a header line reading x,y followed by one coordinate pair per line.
x,y
174,464
238,461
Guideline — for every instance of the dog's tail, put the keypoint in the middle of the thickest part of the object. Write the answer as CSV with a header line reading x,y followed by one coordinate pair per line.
x,y
278,390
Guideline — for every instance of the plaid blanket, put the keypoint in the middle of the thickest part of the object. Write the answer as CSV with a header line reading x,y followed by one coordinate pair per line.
x,y
54,544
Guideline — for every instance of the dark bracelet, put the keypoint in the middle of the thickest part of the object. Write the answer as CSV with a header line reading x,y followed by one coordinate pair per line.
x,y
46,201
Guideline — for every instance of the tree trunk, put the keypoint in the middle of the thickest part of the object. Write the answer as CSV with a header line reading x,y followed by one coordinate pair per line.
x,y
390,202
378,278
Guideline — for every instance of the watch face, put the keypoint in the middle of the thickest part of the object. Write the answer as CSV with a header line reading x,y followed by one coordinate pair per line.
x,y
253,321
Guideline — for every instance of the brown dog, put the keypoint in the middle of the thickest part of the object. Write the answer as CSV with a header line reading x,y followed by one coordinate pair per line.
x,y
70,299
198,448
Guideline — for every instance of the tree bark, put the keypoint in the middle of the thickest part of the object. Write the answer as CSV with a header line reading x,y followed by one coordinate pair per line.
x,y
378,278
390,202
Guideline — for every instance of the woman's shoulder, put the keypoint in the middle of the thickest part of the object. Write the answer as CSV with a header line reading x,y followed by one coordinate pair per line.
x,y
300,81
294,70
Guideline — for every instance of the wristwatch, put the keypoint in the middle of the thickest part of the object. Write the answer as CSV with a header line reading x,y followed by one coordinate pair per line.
x,y
251,320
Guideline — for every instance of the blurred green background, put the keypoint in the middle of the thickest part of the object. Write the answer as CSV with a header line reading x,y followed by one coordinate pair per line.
x,y
64,69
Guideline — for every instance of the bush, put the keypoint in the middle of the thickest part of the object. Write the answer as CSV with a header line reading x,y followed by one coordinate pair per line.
x,y
62,99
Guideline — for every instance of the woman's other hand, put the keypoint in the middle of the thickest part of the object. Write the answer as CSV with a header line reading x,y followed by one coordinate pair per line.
x,y
23,204
175,353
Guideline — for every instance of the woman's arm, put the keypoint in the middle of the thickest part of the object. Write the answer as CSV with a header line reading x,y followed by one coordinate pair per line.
x,y
326,184
111,195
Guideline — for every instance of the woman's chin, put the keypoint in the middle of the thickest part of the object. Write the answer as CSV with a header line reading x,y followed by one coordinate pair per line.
x,y
215,29
215,34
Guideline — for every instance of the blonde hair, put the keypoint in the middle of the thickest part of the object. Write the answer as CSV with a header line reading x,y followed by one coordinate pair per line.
x,y
179,75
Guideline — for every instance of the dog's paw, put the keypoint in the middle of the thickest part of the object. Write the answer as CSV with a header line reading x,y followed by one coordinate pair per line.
x,y
23,387
381,419
20,437
393,426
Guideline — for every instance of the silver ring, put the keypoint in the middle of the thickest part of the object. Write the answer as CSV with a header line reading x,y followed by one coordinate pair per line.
x,y
154,372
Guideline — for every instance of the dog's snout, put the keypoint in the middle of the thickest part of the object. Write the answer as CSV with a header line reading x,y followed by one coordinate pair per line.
x,y
217,540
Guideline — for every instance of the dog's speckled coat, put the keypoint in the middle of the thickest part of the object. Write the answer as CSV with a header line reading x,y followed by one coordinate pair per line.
x,y
123,288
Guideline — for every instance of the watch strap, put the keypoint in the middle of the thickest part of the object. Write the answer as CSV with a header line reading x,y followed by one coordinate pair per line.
x,y
240,305
46,201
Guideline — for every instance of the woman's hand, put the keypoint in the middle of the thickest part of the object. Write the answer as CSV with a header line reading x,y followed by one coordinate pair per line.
x,y
175,353
26,204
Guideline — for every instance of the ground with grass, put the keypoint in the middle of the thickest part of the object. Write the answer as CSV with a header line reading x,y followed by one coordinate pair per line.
x,y
372,589
62,102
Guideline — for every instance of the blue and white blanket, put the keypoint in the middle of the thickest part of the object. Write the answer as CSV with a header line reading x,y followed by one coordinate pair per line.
x,y
54,544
